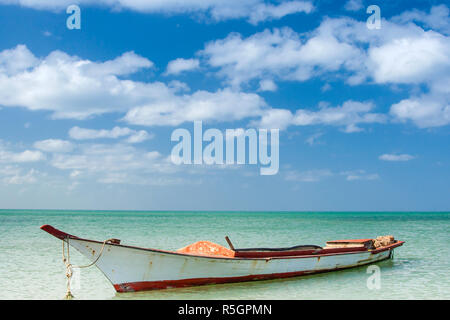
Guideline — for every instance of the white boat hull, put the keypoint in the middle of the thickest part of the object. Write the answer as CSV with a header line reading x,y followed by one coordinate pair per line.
x,y
135,269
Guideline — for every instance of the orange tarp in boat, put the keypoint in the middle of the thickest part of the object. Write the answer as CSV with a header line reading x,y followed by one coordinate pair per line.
x,y
207,248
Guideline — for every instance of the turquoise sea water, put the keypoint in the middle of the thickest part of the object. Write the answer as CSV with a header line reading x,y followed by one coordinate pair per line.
x,y
31,265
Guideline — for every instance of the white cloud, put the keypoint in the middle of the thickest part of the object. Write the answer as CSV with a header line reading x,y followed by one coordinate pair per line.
x,y
360,175
116,163
420,61
353,5
9,170
313,139
139,137
27,156
411,60
74,174
274,119
403,53
267,85
19,59
54,145
14,175
326,87
425,111
400,54
264,12
438,18
308,176
280,53
179,65
349,116
106,158
78,133
134,136
178,86
222,105
20,157
253,10
321,174
126,64
396,157
74,88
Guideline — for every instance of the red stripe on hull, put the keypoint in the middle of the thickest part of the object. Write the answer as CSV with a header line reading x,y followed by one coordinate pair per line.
x,y
389,247
166,284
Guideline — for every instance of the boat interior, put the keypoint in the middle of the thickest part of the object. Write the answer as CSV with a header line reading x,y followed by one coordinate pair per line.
x,y
207,248
336,246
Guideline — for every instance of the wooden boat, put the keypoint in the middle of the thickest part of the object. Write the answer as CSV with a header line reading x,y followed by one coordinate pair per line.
x,y
131,268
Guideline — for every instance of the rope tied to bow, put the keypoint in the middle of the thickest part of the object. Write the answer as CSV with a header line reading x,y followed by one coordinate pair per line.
x,y
69,266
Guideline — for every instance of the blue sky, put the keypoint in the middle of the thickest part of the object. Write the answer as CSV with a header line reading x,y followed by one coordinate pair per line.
x,y
86,115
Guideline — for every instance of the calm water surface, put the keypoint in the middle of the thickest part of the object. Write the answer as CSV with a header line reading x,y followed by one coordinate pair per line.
x,y
31,265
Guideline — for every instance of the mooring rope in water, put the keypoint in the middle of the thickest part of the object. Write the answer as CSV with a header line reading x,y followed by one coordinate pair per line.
x,y
69,266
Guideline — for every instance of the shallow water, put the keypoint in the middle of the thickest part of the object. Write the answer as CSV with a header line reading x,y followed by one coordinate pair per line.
x,y
31,264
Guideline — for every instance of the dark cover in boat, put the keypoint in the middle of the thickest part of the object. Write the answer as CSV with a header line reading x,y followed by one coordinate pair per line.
x,y
276,252
301,247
